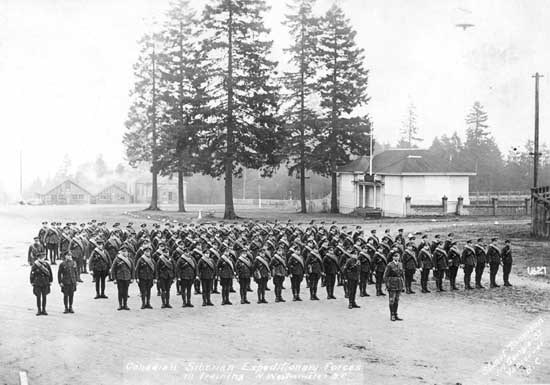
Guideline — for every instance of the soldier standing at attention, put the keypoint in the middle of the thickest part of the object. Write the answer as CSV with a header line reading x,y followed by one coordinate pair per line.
x,y
206,271
166,272
99,266
426,264
331,267
365,261
278,271
379,267
145,273
41,277
314,270
481,260
507,260
77,250
410,266
454,262
226,272
67,277
122,273
468,263
352,271
440,265
261,274
296,269
393,276
36,250
186,271
493,256
243,268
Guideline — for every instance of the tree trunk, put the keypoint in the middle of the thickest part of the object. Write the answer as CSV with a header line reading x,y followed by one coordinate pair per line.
x,y
229,208
302,131
303,187
154,192
334,195
181,196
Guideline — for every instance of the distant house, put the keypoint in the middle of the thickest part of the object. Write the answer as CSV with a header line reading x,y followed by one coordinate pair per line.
x,y
113,194
397,174
167,190
67,192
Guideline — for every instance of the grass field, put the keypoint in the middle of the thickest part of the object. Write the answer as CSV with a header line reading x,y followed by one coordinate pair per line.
x,y
491,336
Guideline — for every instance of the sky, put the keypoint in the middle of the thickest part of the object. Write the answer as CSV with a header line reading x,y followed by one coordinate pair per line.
x,y
66,70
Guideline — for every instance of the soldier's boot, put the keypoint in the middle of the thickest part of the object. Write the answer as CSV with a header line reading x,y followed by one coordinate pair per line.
x,y
259,297
183,301
454,284
168,300
197,287
315,298
231,289
395,307
311,293
188,294
411,291
215,287
361,289
263,297
163,300
323,281
392,314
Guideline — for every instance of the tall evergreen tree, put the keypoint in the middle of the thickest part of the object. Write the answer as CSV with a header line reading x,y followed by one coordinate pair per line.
x,y
343,88
183,82
141,139
243,93
409,130
301,84
482,151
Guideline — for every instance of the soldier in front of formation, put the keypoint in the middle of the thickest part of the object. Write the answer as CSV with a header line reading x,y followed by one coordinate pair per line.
x,y
393,277
67,278
296,269
243,270
206,269
278,272
261,274
41,278
166,272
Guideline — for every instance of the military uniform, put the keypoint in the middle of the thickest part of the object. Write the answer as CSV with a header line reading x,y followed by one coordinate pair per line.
x,y
352,272
186,271
314,270
122,271
296,269
278,271
426,263
77,250
261,276
99,266
494,259
226,272
410,265
454,262
365,261
243,268
469,262
41,277
145,273
331,267
393,277
440,265
206,271
481,260
36,251
166,272
379,266
507,260
67,277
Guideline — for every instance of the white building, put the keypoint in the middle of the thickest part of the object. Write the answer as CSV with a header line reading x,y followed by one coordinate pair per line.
x,y
397,174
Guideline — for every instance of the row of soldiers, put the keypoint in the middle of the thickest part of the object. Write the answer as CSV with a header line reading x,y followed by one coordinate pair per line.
x,y
201,256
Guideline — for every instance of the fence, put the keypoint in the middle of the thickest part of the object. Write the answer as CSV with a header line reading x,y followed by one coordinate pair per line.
x,y
485,197
507,208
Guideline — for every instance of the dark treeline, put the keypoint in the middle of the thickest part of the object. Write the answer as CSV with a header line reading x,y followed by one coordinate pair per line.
x,y
208,99
496,171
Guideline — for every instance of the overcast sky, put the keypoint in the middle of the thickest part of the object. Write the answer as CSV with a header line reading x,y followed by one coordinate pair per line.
x,y
66,69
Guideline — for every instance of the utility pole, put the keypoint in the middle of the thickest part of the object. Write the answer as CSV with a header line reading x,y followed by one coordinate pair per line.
x,y
536,153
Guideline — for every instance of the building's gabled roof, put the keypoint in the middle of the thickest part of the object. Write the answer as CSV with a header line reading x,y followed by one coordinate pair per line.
x,y
406,162
49,189
115,186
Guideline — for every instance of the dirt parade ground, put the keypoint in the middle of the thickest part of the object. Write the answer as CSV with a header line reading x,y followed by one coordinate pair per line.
x,y
489,336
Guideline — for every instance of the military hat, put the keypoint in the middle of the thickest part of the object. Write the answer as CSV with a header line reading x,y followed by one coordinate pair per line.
x,y
400,230
94,221
469,241
143,225
44,223
436,236
373,231
36,238
453,243
387,230
494,239
507,241
450,235
480,239
425,236
146,246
